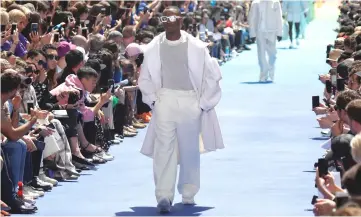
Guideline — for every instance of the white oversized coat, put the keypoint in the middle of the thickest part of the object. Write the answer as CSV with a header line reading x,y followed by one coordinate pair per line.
x,y
205,76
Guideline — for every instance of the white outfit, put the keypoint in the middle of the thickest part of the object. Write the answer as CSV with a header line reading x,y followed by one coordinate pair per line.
x,y
181,113
265,21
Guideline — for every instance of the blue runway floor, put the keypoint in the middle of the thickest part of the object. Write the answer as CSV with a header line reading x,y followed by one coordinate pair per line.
x,y
267,129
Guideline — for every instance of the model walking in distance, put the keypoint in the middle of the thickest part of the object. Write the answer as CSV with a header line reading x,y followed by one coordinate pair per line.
x,y
180,82
296,12
265,21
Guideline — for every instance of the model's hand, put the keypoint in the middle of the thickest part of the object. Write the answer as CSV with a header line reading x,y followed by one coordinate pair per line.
x,y
279,38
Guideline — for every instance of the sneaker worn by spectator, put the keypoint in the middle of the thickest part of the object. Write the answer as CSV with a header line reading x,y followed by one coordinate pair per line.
x,y
46,179
138,125
37,183
28,190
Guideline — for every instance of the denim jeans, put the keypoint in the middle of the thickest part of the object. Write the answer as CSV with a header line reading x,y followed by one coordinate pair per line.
x,y
8,193
245,34
15,154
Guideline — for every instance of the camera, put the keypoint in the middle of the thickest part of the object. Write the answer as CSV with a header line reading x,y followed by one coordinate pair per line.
x,y
73,98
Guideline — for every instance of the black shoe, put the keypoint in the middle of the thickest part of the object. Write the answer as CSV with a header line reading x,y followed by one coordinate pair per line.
x,y
37,183
245,47
83,161
18,206
81,167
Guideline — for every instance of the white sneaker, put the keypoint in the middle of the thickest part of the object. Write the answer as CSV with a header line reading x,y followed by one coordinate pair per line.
x,y
46,183
48,180
28,193
188,201
31,190
297,42
164,206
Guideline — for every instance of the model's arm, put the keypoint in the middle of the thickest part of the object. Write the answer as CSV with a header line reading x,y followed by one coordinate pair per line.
x,y
146,85
279,20
211,90
253,20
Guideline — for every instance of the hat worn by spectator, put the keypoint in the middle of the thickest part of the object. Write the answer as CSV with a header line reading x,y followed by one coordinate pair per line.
x,y
133,49
340,146
343,68
335,54
83,52
64,47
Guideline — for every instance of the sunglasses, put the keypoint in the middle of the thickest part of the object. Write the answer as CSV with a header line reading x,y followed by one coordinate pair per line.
x,y
53,57
165,19
9,54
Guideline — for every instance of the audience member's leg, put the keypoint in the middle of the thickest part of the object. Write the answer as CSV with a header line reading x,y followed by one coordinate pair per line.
x,y
28,169
36,160
88,131
63,158
119,118
15,153
7,186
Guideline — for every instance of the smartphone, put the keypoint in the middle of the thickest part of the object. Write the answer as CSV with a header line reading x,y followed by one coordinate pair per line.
x,y
314,199
6,209
341,199
34,27
315,101
13,28
48,19
111,85
326,103
28,69
102,11
340,84
104,89
86,22
30,106
84,32
3,28
56,37
108,11
322,167
328,86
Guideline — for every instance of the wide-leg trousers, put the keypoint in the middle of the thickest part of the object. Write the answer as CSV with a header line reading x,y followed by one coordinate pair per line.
x,y
177,125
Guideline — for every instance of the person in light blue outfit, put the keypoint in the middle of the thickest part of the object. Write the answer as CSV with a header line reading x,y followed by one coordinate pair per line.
x,y
296,11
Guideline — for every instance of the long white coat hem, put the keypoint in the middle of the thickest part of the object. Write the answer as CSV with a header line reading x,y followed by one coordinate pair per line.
x,y
205,75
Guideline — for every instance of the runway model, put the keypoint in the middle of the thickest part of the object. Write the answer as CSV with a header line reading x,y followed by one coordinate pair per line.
x,y
265,21
180,82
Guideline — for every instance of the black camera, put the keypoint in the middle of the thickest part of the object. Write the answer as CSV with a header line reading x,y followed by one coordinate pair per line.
x,y
73,98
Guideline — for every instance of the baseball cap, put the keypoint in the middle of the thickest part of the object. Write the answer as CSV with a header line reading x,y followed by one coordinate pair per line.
x,y
133,49
64,47
81,49
340,146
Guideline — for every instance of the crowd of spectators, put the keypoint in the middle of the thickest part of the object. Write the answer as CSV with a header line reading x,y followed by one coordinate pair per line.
x,y
69,73
338,172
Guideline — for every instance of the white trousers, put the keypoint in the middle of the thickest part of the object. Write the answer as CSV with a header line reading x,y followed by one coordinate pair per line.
x,y
177,126
266,44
